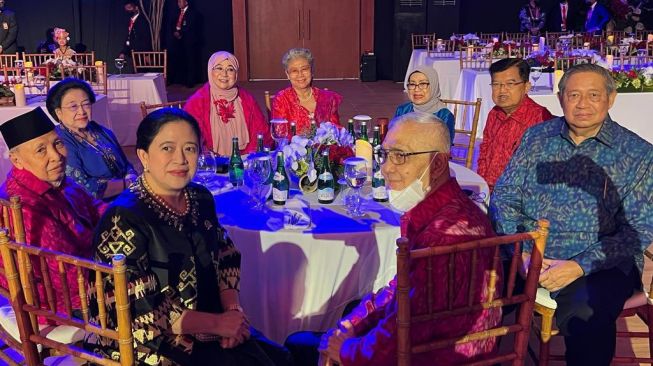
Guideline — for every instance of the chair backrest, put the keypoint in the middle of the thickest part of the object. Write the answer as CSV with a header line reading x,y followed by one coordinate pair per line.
x,y
18,261
36,79
468,253
489,37
84,58
422,40
7,59
443,48
151,61
269,99
564,63
147,108
475,57
519,38
466,115
37,58
552,38
96,76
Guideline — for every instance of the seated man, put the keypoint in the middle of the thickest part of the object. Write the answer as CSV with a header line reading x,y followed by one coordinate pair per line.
x,y
58,214
513,114
415,158
593,180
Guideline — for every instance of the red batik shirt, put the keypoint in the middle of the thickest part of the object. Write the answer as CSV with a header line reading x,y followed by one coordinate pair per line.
x,y
286,105
61,219
446,216
502,135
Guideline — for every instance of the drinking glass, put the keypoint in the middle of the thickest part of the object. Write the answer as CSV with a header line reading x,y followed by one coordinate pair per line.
x,y
279,131
257,169
39,83
356,175
120,63
206,166
536,72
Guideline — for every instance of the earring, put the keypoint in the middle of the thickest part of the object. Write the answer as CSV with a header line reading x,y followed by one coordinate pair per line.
x,y
146,169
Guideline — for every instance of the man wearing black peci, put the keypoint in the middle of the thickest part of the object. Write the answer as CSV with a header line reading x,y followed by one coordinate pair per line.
x,y
8,30
138,36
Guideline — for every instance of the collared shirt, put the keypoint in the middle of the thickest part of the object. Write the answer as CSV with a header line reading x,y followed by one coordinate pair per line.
x,y
60,219
446,216
502,134
597,195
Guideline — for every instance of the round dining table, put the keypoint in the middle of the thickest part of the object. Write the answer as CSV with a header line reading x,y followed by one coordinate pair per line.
x,y
296,279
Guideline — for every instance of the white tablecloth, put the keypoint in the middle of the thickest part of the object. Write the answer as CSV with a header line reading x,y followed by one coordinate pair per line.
x,y
100,114
448,70
126,92
296,280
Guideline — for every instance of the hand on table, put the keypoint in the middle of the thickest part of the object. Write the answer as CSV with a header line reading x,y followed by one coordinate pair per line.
x,y
556,274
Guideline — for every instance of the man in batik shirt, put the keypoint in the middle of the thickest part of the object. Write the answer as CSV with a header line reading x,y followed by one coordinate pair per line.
x,y
415,159
58,214
593,180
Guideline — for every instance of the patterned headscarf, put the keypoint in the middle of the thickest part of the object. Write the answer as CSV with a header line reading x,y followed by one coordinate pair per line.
x,y
227,116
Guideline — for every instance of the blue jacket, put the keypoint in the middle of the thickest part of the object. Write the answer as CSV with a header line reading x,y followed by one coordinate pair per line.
x,y
444,114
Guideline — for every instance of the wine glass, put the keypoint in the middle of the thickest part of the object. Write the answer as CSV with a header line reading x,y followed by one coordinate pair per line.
x,y
356,175
206,166
257,169
279,131
536,72
120,63
39,83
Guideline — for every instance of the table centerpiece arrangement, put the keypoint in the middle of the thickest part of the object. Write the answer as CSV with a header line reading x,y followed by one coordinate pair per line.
x,y
633,80
6,96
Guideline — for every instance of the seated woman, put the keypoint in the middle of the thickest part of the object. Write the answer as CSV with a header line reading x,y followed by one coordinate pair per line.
x,y
225,110
423,89
63,51
301,102
95,159
187,310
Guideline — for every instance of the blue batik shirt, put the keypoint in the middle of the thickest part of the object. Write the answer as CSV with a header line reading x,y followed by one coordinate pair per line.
x,y
597,195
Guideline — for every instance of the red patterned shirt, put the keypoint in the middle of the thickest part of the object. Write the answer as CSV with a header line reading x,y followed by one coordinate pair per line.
x,y
502,135
286,105
446,216
60,219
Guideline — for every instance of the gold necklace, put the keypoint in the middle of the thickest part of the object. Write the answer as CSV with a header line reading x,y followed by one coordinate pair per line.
x,y
164,204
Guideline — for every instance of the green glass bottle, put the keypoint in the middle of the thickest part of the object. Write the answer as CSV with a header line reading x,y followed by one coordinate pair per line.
x,y
236,166
280,182
350,127
293,129
259,143
379,191
326,184
363,133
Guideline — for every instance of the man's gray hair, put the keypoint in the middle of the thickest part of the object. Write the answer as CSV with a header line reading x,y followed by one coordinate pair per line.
x,y
440,133
294,53
610,85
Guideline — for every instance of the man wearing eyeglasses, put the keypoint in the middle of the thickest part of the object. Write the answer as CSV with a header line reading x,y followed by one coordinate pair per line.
x,y
593,180
513,113
436,212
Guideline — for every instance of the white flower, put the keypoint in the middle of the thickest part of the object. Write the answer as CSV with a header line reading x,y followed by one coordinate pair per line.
x,y
312,174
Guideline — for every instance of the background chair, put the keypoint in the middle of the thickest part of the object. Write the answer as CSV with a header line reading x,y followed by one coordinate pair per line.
x,y
37,58
96,76
465,114
639,305
8,59
519,38
269,99
147,108
475,58
36,80
468,253
18,258
443,48
564,63
85,58
422,40
151,61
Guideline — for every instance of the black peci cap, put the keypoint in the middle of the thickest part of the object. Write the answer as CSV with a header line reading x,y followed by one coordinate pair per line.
x,y
26,127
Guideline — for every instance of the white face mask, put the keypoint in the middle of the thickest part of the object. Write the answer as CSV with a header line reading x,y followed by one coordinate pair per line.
x,y
409,197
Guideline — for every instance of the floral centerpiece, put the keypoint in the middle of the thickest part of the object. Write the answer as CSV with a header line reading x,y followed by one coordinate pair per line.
x,y
6,96
465,40
304,153
633,80
542,58
57,65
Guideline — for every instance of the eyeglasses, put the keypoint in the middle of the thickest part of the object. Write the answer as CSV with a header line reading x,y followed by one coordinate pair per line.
x,y
397,157
420,86
509,85
220,69
75,107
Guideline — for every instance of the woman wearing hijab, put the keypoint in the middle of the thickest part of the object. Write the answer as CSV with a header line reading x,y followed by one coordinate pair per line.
x,y
423,89
225,110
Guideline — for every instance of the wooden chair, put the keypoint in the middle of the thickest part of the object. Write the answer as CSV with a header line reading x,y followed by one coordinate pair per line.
x,y
475,58
147,108
564,63
519,38
8,59
452,254
639,305
489,37
465,113
36,80
151,61
269,99
614,37
84,59
443,48
96,76
422,40
18,259
551,38
37,58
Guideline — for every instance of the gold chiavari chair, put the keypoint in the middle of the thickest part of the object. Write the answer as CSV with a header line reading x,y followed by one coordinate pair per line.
x,y
422,40
643,34
37,59
147,108
84,58
564,63
269,100
519,38
489,37
151,61
475,57
465,114
466,302
8,59
552,38
443,48
36,79
96,76
614,37
20,263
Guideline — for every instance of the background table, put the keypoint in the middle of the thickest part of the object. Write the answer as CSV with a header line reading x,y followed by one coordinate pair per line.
x,y
294,280
448,69
126,92
100,113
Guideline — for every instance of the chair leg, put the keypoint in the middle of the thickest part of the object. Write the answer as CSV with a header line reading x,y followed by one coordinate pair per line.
x,y
545,333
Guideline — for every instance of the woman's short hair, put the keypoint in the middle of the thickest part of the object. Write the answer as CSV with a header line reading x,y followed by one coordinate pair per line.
x,y
154,122
294,53
60,89
506,63
610,84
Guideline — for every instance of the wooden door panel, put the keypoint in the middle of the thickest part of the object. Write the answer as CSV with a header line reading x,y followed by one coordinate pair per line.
x,y
273,27
332,33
